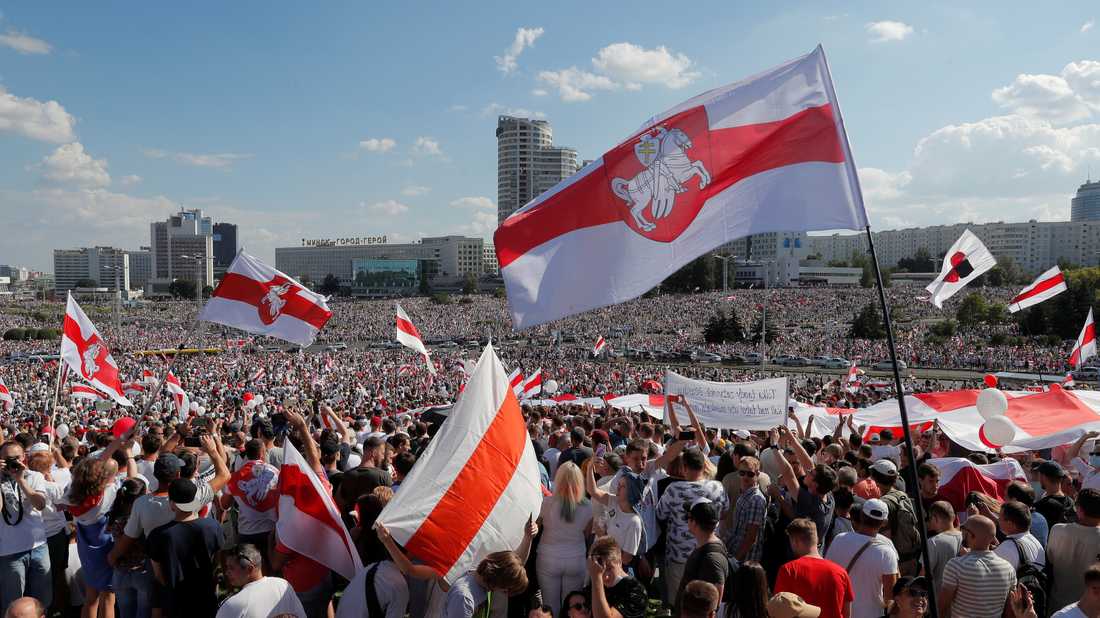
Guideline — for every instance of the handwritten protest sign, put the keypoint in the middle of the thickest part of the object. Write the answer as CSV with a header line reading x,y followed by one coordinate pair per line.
x,y
752,406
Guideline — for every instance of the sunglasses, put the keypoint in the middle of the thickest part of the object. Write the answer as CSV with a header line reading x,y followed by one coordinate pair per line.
x,y
579,606
746,473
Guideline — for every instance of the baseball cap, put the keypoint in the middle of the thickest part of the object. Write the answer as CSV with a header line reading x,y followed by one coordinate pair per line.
x,y
790,605
741,433
184,494
875,509
909,582
704,512
885,467
167,466
1051,469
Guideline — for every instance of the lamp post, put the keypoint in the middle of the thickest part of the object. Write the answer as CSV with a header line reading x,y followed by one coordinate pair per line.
x,y
200,266
118,297
725,268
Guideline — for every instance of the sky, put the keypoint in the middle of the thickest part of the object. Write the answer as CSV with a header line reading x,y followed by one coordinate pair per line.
x,y
361,118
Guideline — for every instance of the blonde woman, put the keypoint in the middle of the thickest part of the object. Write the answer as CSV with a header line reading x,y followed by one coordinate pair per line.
x,y
565,519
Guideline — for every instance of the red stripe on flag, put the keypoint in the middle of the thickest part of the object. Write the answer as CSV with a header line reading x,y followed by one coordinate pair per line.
x,y
463,509
407,327
1043,286
294,484
736,153
246,290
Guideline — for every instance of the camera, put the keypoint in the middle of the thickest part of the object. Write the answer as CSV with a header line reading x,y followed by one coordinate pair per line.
x,y
12,463
687,435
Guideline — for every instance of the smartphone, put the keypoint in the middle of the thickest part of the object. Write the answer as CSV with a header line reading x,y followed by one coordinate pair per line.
x,y
193,441
687,435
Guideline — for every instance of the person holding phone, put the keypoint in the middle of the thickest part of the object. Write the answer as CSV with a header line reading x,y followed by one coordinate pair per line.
x,y
24,558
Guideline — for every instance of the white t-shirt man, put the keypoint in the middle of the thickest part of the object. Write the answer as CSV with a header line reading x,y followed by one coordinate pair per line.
x,y
263,598
151,512
866,574
1069,611
21,528
1033,550
389,586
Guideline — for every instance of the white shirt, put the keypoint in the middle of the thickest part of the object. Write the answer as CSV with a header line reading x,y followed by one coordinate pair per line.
x,y
389,586
145,468
53,518
28,532
1069,611
267,596
1090,477
626,529
880,559
1033,550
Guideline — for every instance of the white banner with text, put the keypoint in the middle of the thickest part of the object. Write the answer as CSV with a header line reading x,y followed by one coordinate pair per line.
x,y
753,406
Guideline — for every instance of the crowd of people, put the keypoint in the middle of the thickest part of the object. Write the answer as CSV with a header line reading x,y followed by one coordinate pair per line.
x,y
140,511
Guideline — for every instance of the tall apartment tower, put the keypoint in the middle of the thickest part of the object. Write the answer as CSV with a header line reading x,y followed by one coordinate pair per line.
x,y
107,266
528,163
1085,206
182,248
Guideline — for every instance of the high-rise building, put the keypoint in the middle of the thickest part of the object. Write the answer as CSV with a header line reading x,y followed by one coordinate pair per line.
x,y
182,248
225,245
528,163
1085,206
108,267
489,264
141,268
16,274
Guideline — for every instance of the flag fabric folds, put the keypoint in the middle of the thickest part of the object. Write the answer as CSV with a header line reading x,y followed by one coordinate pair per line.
x,y
7,402
256,298
309,522
179,396
479,478
408,336
964,262
598,347
766,154
79,391
1047,286
515,380
87,354
960,476
533,384
1085,347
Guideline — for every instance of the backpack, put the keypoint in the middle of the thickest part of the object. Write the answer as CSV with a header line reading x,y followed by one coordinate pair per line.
x,y
370,593
1030,576
903,526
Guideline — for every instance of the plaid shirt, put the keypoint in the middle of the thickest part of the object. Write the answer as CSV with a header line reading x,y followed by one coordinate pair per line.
x,y
750,510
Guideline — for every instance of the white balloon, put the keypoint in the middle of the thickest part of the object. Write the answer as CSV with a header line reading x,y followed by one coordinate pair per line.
x,y
550,386
194,406
999,430
202,410
62,431
251,403
992,403
258,399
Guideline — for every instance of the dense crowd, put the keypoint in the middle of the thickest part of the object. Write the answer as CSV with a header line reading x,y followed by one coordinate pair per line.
x,y
643,516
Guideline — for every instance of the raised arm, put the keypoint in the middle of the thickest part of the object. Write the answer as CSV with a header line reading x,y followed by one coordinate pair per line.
x,y
418,571
799,452
309,447
1075,450
594,492
700,432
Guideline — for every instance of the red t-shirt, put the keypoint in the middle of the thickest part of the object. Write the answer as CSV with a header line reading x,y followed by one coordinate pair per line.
x,y
819,582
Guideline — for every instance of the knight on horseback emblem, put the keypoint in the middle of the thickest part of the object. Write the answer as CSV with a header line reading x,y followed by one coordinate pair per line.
x,y
663,153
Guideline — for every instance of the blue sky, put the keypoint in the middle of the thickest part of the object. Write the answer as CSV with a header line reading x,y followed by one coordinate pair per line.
x,y
359,118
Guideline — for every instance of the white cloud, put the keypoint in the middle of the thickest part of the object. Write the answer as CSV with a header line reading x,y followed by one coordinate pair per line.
x,y
525,37
71,165
44,121
129,180
388,207
1084,78
482,223
1085,27
478,202
632,64
886,31
24,43
496,109
539,92
414,190
376,144
427,146
222,161
574,85
879,184
1070,96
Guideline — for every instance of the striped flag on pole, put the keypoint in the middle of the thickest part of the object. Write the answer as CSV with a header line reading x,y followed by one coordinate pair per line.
x,y
479,477
80,391
1047,286
179,396
601,343
7,402
408,336
533,384
1086,343
515,380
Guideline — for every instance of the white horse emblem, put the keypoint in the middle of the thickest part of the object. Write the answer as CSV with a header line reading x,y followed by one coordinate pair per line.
x,y
89,366
256,488
274,301
663,153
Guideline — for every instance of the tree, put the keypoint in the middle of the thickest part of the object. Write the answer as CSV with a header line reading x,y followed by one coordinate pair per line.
x,y
838,263
331,285
207,291
944,328
868,324
697,275
972,310
182,288
425,287
87,283
723,329
1063,315
469,284
1006,272
919,263
770,330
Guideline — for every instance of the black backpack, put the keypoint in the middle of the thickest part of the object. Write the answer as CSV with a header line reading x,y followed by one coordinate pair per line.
x,y
374,607
1033,578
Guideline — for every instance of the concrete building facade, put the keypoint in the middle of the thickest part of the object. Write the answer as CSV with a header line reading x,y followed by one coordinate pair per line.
x,y
528,163
1085,206
447,258
107,266
182,248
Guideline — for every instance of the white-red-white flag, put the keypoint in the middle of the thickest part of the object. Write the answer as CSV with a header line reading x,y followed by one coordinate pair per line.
x,y
408,336
478,479
964,262
766,154
598,347
179,396
1068,380
852,384
256,298
7,401
1048,285
1085,347
87,354
532,385
147,375
960,476
260,374
309,522
133,388
80,391
515,380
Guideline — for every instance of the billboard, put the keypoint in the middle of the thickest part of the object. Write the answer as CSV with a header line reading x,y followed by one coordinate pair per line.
x,y
376,273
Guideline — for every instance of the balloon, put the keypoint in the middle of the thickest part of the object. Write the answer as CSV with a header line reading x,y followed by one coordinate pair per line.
x,y
62,431
992,403
202,410
251,403
259,399
997,432
194,406
247,396
990,380
550,386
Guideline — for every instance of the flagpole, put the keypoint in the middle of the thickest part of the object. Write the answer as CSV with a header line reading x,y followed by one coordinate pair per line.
x,y
911,475
168,367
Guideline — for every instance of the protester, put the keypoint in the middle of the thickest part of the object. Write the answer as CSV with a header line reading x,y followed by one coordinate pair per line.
x,y
181,552
26,607
24,557
613,592
790,605
258,596
910,598
1072,548
750,586
977,584
870,560
708,562
816,580
699,599
945,539
565,520
1089,603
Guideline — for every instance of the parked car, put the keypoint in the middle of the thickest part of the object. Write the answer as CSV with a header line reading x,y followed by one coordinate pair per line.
x,y
734,359
888,366
820,361
838,363
797,361
1086,374
780,360
706,357
753,357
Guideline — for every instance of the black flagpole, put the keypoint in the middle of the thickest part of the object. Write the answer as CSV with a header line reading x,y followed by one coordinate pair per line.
x,y
911,477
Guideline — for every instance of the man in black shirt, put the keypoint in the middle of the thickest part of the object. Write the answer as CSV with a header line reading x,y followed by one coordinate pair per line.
x,y
578,452
370,474
182,551
708,562
613,593
1055,506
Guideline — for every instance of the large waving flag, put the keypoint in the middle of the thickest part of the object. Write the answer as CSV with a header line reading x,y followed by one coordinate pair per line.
x,y
533,384
766,154
964,262
79,391
479,480
87,354
408,336
960,476
515,380
1085,347
1048,285
256,298
309,522
7,402
179,396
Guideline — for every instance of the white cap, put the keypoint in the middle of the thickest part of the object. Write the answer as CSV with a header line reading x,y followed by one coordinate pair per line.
x,y
886,467
741,433
876,509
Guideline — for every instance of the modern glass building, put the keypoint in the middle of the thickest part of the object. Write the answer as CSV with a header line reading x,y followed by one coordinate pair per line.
x,y
1085,206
